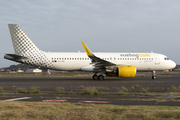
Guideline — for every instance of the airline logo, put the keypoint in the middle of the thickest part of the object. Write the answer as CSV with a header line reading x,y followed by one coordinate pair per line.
x,y
135,55
144,55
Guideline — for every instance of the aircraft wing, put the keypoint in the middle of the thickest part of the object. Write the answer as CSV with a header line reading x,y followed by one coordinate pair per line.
x,y
98,62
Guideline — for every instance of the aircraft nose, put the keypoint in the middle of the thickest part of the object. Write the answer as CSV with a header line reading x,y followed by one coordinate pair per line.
x,y
173,64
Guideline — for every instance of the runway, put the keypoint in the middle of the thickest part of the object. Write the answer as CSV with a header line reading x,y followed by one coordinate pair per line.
x,y
142,90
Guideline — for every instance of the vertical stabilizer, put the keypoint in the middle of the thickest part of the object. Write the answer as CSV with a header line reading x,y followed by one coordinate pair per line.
x,y
21,42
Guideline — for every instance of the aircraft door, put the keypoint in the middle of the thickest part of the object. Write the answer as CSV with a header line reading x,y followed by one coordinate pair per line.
x,y
156,61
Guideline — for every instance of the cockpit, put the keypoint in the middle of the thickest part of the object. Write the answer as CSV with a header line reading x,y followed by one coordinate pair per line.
x,y
166,58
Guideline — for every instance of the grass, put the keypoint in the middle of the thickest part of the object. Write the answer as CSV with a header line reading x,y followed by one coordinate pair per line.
x,y
144,90
33,90
46,111
174,89
60,90
3,91
122,93
124,89
72,93
21,90
90,91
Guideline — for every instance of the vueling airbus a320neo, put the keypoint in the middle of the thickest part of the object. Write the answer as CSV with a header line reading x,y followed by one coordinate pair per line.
x,y
122,65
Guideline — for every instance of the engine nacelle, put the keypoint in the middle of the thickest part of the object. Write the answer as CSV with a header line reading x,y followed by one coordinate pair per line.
x,y
126,71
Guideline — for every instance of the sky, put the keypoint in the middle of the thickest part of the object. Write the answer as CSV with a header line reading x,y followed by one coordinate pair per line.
x,y
104,25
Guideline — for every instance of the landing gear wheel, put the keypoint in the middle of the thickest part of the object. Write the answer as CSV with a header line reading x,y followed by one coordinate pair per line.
x,y
153,75
100,77
95,77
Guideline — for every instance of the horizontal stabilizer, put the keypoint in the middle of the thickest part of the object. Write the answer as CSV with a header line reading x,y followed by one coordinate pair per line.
x,y
14,57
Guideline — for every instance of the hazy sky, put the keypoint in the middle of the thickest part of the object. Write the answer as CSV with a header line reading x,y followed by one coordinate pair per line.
x,y
104,25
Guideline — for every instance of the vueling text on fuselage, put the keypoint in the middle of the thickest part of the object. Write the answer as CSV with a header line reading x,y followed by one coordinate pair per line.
x,y
135,55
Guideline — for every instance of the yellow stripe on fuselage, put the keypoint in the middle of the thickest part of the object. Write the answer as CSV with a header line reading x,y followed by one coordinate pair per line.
x,y
88,52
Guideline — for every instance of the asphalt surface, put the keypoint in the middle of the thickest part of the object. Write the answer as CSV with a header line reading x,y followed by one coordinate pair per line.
x,y
137,85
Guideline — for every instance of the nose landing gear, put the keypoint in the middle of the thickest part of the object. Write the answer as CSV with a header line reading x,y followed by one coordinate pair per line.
x,y
154,75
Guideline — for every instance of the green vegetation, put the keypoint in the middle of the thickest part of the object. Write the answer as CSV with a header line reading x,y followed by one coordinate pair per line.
x,y
124,89
33,90
122,93
45,111
90,91
21,90
174,89
72,93
60,90
96,92
3,91
82,87
141,94
144,90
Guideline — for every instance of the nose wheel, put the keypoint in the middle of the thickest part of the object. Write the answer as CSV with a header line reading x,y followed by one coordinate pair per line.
x,y
154,75
100,77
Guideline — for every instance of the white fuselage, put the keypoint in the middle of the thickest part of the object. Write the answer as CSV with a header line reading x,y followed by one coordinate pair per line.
x,y
80,61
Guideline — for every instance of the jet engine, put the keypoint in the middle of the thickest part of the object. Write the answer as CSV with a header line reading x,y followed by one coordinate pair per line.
x,y
126,71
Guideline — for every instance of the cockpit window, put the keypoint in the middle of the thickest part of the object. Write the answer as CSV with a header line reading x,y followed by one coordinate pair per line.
x,y
166,58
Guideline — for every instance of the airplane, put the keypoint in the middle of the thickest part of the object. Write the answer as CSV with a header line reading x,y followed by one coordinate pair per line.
x,y
122,65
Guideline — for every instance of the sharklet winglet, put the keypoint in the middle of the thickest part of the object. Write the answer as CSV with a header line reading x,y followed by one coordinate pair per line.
x,y
88,51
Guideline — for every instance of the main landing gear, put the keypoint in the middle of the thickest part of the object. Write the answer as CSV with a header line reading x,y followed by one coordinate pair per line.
x,y
154,75
100,77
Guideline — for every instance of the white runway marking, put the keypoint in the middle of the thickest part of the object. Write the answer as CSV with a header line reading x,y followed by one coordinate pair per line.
x,y
18,99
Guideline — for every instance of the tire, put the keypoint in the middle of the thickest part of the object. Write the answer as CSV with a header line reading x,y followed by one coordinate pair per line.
x,y
100,77
95,77
154,77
